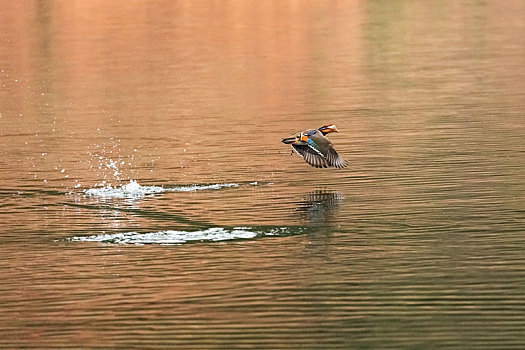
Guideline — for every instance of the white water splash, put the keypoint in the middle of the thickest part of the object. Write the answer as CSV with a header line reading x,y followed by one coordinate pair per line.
x,y
214,234
170,237
200,187
134,190
130,190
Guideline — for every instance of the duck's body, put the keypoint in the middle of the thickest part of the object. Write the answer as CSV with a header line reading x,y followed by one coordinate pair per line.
x,y
316,149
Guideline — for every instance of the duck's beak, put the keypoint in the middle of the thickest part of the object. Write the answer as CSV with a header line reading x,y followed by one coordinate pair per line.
x,y
335,129
289,140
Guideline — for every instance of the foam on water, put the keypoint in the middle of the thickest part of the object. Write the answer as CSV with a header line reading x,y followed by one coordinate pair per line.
x,y
133,189
213,234
200,187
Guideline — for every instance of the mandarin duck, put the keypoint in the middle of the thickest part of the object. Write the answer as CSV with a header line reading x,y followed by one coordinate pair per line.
x,y
316,149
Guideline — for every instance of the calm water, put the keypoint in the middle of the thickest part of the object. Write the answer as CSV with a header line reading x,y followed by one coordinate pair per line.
x,y
147,202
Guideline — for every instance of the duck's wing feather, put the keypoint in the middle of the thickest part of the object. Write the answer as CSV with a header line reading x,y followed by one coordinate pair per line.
x,y
322,146
311,156
334,159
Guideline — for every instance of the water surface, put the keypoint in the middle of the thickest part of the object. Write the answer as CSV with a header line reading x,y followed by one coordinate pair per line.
x,y
147,202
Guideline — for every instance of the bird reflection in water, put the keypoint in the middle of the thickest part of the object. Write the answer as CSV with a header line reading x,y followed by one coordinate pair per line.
x,y
320,207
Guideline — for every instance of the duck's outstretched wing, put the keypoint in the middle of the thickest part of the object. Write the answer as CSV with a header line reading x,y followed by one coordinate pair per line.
x,y
334,159
325,149
311,156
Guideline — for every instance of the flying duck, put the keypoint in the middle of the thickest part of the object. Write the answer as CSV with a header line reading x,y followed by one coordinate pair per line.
x,y
316,149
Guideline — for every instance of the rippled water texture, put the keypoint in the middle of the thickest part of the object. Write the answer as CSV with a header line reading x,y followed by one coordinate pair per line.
x,y
146,201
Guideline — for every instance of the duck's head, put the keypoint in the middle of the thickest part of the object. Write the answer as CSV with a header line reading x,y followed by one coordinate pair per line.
x,y
326,129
